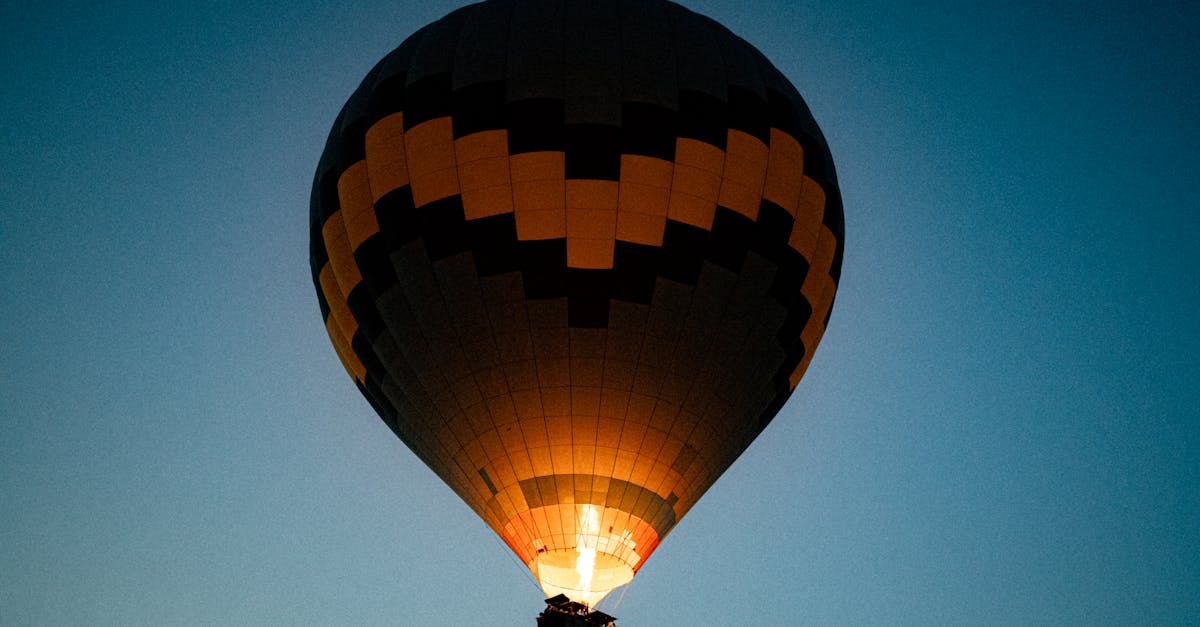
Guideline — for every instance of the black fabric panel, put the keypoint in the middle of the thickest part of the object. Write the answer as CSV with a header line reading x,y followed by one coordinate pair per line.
x,y
317,255
793,269
375,266
593,151
493,241
648,54
635,269
731,238
387,91
748,113
362,305
396,63
380,404
442,225
478,107
700,66
544,268
354,123
799,313
426,99
330,203
322,304
814,167
592,63
829,312
836,221
436,49
588,292
780,113
741,65
396,215
702,117
535,125
387,98
684,249
361,346
535,60
481,52
324,201
772,230
648,130
352,149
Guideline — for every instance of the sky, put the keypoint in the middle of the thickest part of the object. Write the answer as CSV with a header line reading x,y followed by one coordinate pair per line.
x,y
999,427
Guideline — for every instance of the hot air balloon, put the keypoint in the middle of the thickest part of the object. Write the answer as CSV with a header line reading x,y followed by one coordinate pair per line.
x,y
577,255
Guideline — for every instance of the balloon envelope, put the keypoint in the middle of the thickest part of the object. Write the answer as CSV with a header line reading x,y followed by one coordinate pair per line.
x,y
576,255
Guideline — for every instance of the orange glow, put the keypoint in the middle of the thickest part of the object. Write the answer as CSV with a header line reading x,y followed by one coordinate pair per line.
x,y
594,570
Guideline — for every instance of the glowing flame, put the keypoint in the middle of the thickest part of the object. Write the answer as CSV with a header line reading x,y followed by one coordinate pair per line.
x,y
584,565
585,545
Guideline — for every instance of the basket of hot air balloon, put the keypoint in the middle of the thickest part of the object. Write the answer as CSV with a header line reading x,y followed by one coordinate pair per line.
x,y
577,255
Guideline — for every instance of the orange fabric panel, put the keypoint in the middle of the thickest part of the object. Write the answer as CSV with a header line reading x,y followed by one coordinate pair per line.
x,y
585,460
589,253
585,402
539,457
614,403
341,257
745,170
541,223
695,182
481,145
591,223
644,199
487,201
591,194
357,209
785,163
430,147
585,371
640,228
809,212
483,173
690,209
538,166
434,186
386,155
556,401
431,163
534,431
650,171
701,155
539,195
820,262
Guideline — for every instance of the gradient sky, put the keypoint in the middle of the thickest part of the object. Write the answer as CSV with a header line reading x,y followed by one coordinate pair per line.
x,y
1000,426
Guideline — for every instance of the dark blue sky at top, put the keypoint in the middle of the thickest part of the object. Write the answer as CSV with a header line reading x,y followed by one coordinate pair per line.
x,y
1000,426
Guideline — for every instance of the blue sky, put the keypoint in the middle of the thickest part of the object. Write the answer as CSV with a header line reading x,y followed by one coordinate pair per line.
x,y
1000,426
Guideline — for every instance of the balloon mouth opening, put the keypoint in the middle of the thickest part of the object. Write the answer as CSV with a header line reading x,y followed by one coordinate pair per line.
x,y
585,575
